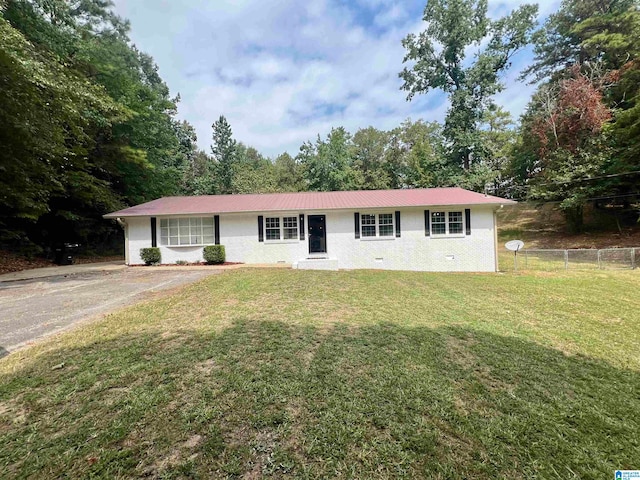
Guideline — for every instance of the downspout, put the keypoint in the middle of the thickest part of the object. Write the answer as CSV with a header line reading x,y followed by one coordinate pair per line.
x,y
495,237
124,226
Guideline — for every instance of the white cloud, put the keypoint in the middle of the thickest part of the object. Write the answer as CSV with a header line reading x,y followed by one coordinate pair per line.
x,y
283,72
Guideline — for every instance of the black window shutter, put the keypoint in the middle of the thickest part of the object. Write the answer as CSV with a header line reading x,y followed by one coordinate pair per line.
x,y
216,229
260,229
154,234
302,226
356,222
427,219
467,220
397,224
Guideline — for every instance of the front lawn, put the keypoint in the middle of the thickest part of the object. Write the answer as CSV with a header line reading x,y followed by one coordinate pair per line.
x,y
258,373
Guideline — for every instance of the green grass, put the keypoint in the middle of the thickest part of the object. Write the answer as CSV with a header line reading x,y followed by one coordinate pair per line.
x,y
281,373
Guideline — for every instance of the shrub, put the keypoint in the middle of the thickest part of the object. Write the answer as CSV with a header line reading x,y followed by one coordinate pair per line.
x,y
214,254
150,256
182,262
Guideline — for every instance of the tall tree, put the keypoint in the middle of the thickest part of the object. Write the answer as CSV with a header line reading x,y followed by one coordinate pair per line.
x,y
328,163
224,150
570,145
97,128
288,173
499,139
369,154
439,61
583,32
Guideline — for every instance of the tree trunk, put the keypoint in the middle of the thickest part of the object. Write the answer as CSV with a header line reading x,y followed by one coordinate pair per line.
x,y
575,218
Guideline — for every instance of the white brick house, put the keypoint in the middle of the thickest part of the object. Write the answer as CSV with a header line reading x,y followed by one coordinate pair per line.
x,y
439,229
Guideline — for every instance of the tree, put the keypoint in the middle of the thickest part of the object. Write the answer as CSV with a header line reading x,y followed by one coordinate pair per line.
x,y
416,155
86,123
369,152
438,55
583,32
499,140
224,153
252,172
568,126
328,163
288,174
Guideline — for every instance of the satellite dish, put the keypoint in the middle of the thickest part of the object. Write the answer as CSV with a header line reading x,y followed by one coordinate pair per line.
x,y
514,245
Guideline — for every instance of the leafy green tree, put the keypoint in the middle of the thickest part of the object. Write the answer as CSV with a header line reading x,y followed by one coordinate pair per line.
x,y
499,139
252,172
89,124
224,150
584,32
369,155
48,116
199,177
288,174
328,163
439,61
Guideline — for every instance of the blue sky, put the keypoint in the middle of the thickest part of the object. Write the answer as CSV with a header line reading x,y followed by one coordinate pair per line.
x,y
283,72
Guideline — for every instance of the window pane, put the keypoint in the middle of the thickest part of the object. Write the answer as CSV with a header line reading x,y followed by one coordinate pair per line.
x,y
164,240
438,228
184,231
207,221
272,222
290,233
455,222
207,230
173,240
385,219
273,234
208,239
368,219
173,222
386,230
183,222
368,230
437,217
438,223
290,222
164,222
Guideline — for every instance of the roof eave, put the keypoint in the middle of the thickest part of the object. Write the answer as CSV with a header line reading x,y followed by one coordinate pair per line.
x,y
123,213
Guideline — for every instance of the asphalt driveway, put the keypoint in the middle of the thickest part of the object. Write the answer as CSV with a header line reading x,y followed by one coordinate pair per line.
x,y
34,308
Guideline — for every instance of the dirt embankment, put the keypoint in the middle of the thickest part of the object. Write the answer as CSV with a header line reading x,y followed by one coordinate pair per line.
x,y
544,226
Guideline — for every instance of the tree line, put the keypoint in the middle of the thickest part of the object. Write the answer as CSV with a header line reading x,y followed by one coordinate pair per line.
x,y
88,126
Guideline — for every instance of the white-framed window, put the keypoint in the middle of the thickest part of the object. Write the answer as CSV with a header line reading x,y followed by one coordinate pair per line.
x,y
281,228
377,225
447,223
186,231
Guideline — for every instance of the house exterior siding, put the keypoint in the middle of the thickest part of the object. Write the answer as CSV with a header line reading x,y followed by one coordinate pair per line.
x,y
411,251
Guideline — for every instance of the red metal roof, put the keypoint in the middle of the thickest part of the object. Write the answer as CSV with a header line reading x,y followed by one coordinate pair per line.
x,y
206,204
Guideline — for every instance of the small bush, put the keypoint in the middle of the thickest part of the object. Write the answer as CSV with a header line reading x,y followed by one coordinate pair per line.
x,y
214,254
182,262
150,256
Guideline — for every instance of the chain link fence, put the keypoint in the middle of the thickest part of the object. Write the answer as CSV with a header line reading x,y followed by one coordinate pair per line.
x,y
577,259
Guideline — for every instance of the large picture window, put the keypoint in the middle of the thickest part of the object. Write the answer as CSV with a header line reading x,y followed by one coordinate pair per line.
x,y
186,231
447,223
376,225
281,228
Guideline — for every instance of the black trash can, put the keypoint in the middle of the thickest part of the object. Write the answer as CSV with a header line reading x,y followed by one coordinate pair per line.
x,y
65,254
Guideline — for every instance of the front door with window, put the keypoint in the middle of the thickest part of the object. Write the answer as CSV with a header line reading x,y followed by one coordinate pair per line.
x,y
317,234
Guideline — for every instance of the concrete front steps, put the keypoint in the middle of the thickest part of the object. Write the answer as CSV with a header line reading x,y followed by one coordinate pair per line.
x,y
316,263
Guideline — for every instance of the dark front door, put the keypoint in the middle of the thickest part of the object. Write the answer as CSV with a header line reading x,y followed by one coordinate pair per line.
x,y
317,234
